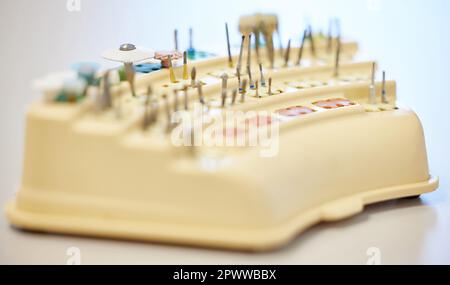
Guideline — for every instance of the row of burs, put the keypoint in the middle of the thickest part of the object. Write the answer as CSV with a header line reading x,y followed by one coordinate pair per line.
x,y
178,93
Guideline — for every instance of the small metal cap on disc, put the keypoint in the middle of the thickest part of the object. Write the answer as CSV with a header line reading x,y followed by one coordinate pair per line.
x,y
127,53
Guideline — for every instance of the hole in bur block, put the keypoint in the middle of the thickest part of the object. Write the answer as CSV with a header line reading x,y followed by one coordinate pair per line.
x,y
295,111
334,103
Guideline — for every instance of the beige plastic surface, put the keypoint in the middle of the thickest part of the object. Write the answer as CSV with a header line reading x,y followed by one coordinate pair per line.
x,y
89,174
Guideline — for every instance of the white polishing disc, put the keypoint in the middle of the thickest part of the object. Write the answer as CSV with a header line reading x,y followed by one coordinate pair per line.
x,y
133,55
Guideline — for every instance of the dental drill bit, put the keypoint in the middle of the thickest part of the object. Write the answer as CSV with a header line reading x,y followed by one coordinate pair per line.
x,y
200,93
244,87
337,24
241,50
193,77
372,90
168,114
257,89
186,101
118,107
147,120
287,54
172,77
191,45
175,100
192,148
154,111
271,52
191,50
263,80
302,46
230,59
104,101
270,86
384,99
224,89
129,74
249,71
233,96
311,39
185,68
249,56
175,38
238,74
338,55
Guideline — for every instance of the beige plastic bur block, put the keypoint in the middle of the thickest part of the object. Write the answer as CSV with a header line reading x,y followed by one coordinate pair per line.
x,y
119,184
95,173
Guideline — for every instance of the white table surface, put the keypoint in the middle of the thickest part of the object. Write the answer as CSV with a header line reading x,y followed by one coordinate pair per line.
x,y
42,36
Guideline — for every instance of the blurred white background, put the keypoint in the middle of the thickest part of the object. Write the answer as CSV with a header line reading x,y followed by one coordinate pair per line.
x,y
408,38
